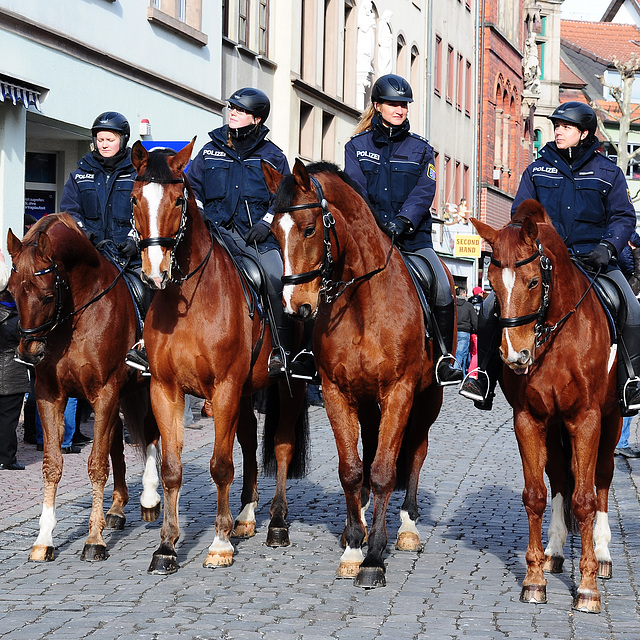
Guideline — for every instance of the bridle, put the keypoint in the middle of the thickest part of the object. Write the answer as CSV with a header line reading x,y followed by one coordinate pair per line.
x,y
169,241
542,331
325,270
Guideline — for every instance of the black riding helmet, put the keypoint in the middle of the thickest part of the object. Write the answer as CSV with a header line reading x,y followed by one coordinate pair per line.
x,y
391,88
253,101
577,113
111,121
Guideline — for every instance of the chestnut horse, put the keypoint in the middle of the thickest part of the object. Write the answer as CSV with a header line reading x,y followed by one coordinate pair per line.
x,y
202,338
559,377
376,366
77,320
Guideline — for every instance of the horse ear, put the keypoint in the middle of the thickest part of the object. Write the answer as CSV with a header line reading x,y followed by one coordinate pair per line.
x,y
14,244
487,233
181,159
301,175
139,157
529,231
272,176
45,250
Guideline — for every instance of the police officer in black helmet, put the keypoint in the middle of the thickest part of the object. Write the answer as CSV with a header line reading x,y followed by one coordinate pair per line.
x,y
98,193
586,196
395,169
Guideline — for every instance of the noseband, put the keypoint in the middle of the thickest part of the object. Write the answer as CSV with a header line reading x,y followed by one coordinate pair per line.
x,y
325,270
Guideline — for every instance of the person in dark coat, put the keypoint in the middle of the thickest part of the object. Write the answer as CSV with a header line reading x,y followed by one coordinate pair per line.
x,y
14,383
395,169
586,196
467,325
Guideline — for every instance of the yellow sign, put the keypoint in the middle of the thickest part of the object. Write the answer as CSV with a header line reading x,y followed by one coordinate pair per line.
x,y
467,246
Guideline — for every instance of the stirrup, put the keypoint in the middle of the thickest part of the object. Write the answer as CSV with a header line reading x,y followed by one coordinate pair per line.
x,y
135,361
474,396
301,372
274,368
444,383
630,409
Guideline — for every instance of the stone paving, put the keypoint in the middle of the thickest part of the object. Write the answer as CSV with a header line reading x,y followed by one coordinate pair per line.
x,y
465,584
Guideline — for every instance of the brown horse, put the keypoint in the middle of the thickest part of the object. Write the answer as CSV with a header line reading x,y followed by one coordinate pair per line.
x,y
203,338
77,320
376,367
559,377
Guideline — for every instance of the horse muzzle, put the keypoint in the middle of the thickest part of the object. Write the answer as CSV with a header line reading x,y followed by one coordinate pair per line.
x,y
304,313
155,282
519,362
31,352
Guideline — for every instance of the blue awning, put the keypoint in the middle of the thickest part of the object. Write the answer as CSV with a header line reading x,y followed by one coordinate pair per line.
x,y
16,93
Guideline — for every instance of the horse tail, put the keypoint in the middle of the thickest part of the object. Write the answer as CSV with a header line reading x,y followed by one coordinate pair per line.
x,y
403,463
138,417
570,519
298,466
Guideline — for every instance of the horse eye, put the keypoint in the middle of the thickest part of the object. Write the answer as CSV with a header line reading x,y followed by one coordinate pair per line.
x,y
533,283
179,202
48,299
309,231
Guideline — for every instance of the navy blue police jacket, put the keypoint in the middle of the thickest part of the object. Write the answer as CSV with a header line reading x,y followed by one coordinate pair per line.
x,y
100,201
588,201
223,181
398,175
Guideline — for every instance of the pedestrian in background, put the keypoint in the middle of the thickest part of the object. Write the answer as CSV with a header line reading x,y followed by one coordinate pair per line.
x,y
467,325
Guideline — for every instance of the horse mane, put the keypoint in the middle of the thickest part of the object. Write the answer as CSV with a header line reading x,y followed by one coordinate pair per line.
x,y
286,192
157,169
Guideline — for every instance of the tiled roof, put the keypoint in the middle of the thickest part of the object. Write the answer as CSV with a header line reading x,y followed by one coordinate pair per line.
x,y
605,40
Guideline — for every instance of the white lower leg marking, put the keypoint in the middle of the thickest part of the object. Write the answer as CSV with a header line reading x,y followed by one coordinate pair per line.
x,y
407,524
352,556
248,514
557,529
220,546
150,480
602,536
47,525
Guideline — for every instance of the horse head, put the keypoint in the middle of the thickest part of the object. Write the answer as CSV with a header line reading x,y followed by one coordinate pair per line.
x,y
37,287
519,274
159,201
300,229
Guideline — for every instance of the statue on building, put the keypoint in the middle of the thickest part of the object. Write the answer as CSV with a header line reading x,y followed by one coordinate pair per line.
x,y
365,52
531,64
385,44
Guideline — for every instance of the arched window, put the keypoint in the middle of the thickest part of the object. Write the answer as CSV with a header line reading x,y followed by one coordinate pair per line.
x,y
401,57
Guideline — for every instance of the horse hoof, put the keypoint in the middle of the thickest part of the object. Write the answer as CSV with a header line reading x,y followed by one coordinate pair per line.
x,y
348,570
408,541
150,514
553,564
587,602
605,569
162,565
42,553
218,559
94,552
370,578
244,529
115,521
534,594
278,537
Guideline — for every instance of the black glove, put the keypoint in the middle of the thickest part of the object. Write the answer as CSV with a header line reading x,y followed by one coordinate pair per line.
x,y
128,248
258,233
599,257
398,227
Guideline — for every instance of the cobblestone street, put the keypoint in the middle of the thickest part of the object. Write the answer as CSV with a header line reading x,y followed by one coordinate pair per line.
x,y
465,584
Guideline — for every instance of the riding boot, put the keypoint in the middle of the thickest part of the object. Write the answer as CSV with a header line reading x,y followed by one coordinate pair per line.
x,y
136,358
283,342
303,364
446,371
629,370
482,389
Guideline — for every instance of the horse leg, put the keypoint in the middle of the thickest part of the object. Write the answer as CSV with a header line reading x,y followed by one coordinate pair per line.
x,y
226,412
531,442
284,448
556,468
344,423
245,524
106,414
168,407
395,412
585,437
52,417
609,437
115,518
426,408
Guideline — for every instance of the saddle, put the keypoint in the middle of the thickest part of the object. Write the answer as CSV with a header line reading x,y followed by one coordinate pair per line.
x,y
423,279
612,300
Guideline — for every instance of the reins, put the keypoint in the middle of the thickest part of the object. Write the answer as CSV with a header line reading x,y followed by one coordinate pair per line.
x,y
325,270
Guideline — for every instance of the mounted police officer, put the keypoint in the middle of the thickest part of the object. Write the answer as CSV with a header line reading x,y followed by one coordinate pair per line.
x,y
586,196
395,169
231,191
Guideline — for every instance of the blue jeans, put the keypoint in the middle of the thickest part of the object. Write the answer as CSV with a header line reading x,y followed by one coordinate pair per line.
x,y
69,423
462,352
623,443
